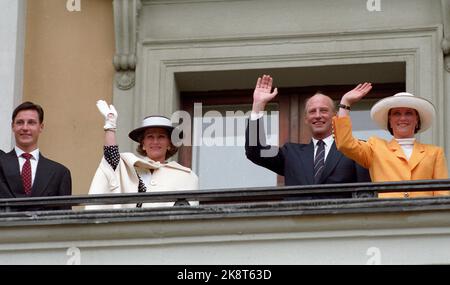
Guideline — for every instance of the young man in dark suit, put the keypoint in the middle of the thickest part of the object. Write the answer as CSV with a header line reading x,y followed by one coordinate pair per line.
x,y
4,192
24,171
297,162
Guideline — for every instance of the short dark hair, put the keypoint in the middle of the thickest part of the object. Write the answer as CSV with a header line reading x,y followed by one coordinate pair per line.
x,y
29,106
391,131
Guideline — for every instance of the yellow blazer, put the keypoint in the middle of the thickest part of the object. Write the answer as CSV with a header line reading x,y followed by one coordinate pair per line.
x,y
386,161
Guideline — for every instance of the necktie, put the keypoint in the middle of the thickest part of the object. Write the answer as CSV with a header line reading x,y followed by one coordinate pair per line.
x,y
319,161
26,173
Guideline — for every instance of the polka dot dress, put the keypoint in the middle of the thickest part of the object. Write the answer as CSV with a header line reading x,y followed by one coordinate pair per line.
x,y
112,156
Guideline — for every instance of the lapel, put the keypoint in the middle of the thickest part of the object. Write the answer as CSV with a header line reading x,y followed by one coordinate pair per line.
x,y
306,158
10,165
333,158
397,150
44,173
417,155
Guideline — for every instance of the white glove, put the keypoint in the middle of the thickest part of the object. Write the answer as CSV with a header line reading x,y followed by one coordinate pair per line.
x,y
110,114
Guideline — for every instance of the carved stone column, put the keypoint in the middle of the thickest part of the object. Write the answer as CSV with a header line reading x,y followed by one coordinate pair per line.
x,y
125,25
446,40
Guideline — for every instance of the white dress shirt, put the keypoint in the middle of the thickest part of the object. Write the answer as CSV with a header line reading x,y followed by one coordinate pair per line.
x,y
34,161
328,141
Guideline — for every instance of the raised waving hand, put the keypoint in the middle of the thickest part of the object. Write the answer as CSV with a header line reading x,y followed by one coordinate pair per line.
x,y
263,93
353,96
110,114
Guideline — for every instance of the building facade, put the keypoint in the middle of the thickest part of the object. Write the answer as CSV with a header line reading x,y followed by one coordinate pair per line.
x,y
157,57
202,57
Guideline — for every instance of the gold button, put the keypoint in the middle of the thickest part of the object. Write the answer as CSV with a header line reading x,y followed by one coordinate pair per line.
x,y
406,195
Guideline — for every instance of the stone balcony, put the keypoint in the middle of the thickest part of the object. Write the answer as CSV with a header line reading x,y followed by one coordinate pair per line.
x,y
256,226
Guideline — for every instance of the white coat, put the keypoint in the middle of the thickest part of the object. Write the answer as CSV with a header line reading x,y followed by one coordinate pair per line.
x,y
165,177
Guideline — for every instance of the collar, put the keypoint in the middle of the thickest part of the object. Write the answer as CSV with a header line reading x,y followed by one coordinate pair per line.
x,y
34,153
328,141
394,145
147,163
171,164
408,141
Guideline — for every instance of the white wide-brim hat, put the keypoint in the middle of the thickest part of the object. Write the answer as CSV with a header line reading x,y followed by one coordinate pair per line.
x,y
151,122
426,110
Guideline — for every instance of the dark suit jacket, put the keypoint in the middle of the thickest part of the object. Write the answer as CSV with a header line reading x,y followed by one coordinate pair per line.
x,y
52,179
296,161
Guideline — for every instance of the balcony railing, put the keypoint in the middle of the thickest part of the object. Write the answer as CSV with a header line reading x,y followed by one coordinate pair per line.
x,y
265,201
272,225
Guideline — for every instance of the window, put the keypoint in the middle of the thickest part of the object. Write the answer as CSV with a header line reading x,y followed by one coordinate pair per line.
x,y
218,153
218,157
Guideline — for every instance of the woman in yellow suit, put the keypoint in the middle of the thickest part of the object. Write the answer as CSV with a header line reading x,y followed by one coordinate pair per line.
x,y
402,158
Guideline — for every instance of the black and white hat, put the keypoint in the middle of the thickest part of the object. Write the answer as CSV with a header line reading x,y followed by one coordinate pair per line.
x,y
151,122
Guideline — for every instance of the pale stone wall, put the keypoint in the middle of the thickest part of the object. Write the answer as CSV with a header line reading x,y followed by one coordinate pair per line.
x,y
420,237
68,58
177,37
12,35
68,67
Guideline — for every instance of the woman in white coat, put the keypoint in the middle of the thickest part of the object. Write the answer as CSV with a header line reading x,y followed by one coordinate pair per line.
x,y
128,173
